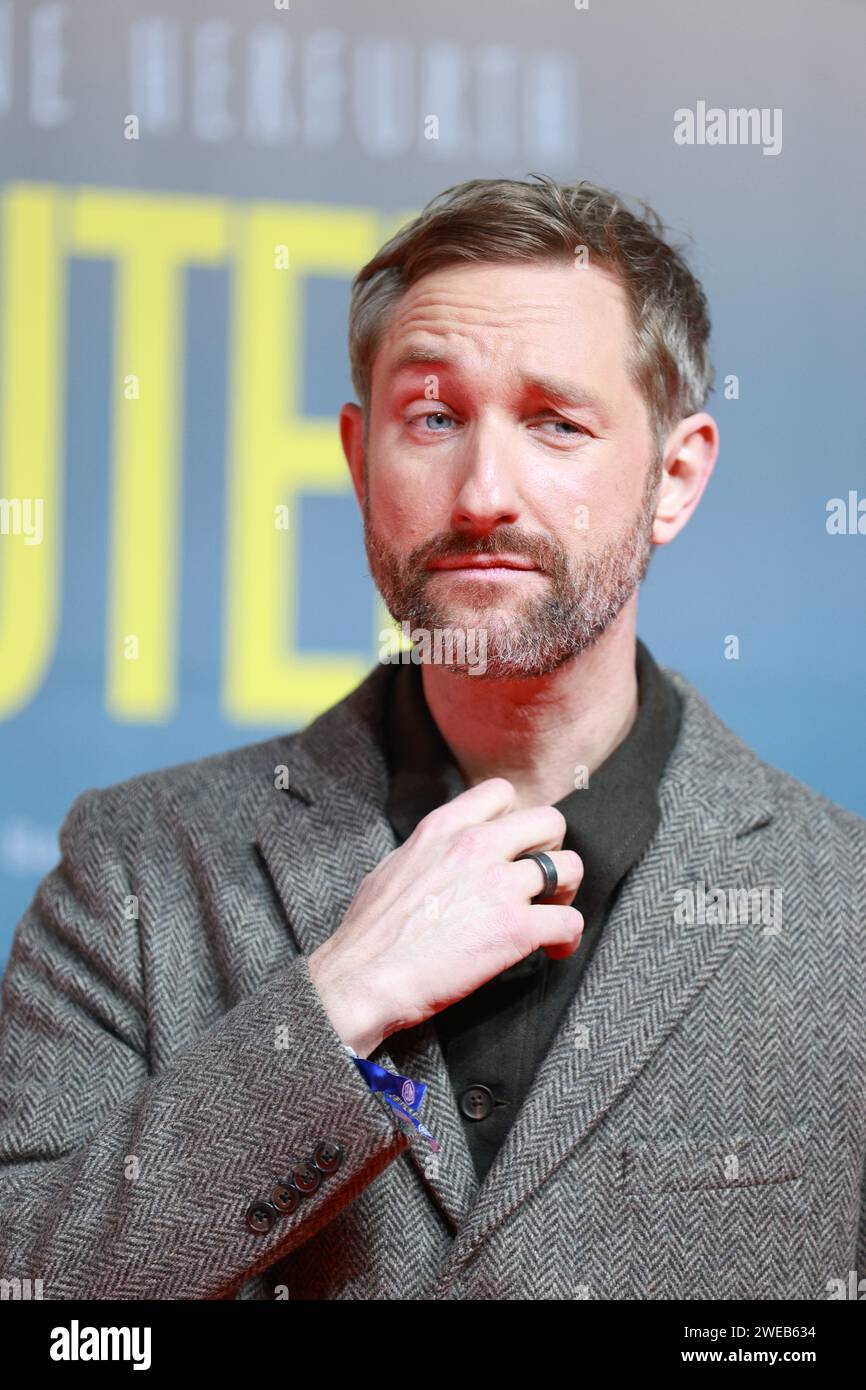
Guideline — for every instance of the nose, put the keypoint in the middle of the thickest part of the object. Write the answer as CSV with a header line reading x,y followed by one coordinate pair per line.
x,y
487,495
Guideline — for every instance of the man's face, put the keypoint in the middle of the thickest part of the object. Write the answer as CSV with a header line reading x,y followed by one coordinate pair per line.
x,y
518,435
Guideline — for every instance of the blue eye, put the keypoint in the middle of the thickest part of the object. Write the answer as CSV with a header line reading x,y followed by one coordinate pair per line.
x,y
566,429
569,425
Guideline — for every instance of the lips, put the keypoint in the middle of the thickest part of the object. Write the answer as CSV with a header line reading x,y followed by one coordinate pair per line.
x,y
483,562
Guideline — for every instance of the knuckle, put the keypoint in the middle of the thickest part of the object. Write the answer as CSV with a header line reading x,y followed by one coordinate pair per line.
x,y
576,926
470,841
500,880
573,863
371,886
510,931
432,825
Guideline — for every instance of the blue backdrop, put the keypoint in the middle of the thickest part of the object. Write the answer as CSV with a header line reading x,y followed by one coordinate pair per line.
x,y
148,161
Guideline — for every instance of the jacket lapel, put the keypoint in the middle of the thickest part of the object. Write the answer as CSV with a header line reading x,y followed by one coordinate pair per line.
x,y
648,968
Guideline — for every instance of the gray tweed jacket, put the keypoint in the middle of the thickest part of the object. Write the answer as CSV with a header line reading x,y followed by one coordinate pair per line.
x,y
697,1130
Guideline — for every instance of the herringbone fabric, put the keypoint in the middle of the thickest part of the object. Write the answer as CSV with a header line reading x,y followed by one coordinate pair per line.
x,y
696,1130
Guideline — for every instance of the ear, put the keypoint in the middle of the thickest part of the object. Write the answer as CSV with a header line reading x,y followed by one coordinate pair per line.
x,y
690,455
351,436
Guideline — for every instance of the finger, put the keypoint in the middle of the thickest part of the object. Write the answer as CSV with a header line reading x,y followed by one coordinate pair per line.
x,y
561,952
510,834
559,931
507,832
532,827
491,798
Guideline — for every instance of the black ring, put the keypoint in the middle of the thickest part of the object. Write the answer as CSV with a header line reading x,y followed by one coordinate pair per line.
x,y
548,868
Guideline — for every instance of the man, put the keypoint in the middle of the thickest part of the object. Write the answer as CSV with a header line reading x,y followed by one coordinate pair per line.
x,y
638,1054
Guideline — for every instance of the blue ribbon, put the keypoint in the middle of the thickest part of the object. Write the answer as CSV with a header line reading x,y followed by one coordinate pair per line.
x,y
402,1093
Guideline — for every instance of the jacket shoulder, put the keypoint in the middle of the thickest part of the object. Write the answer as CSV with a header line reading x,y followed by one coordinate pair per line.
x,y
224,791
802,806
221,788
730,765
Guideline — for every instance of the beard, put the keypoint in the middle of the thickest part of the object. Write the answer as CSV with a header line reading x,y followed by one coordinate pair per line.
x,y
536,635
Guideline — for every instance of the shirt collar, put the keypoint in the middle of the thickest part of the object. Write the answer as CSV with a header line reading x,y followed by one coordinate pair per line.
x,y
610,822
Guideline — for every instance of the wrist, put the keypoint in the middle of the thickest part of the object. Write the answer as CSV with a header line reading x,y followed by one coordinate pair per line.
x,y
349,1007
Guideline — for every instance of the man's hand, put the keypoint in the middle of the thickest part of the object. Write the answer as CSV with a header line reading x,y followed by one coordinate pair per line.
x,y
445,912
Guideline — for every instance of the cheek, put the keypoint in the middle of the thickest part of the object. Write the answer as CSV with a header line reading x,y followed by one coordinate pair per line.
x,y
585,516
612,483
412,512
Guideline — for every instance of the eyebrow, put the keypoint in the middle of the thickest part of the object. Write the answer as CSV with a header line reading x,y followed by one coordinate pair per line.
x,y
553,388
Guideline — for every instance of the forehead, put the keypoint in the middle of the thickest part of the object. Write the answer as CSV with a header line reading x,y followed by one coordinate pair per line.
x,y
535,315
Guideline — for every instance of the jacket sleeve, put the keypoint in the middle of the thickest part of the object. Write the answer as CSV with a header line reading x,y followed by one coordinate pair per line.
x,y
860,1250
119,1183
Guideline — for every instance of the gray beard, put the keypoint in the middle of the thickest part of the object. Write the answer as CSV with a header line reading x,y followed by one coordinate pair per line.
x,y
542,633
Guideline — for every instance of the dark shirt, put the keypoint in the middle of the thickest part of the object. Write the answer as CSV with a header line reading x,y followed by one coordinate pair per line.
x,y
495,1039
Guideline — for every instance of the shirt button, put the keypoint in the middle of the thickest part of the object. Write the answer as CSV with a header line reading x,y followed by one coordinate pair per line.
x,y
477,1102
261,1215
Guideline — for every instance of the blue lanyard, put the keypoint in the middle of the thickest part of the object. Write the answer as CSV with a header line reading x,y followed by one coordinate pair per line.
x,y
402,1093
